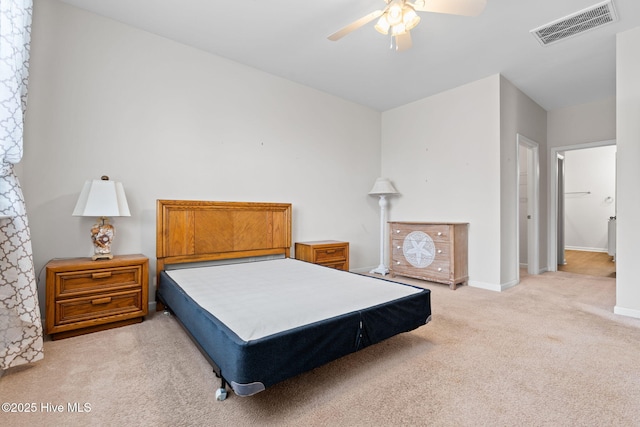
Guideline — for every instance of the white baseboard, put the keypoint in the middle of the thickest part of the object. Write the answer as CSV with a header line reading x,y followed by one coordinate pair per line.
x,y
362,270
578,248
630,312
487,286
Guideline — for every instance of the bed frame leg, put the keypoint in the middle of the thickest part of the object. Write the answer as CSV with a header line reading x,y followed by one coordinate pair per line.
x,y
221,393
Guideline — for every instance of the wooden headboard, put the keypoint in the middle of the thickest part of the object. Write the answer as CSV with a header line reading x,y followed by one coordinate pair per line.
x,y
194,231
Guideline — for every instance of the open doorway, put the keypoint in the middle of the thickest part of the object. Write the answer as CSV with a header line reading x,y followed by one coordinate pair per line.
x,y
582,207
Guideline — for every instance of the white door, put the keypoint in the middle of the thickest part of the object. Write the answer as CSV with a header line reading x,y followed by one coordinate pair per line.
x,y
529,151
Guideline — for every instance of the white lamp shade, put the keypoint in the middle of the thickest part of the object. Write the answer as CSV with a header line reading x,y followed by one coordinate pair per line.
x,y
383,25
382,186
102,198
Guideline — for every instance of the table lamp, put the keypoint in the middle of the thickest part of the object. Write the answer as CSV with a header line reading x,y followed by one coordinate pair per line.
x,y
102,198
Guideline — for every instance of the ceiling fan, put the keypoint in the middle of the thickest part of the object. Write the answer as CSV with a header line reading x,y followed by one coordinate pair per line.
x,y
399,17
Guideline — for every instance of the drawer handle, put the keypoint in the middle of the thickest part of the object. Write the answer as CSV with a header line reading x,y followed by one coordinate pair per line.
x,y
439,251
398,262
439,233
331,251
398,247
439,268
101,275
397,231
99,301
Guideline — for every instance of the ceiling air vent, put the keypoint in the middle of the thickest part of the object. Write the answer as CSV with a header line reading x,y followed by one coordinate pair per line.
x,y
587,19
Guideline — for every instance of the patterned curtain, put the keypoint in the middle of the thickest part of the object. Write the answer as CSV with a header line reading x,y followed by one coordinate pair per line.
x,y
20,324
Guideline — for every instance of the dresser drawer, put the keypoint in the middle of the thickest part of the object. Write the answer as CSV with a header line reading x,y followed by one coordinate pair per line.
x,y
437,232
441,249
78,310
77,283
439,269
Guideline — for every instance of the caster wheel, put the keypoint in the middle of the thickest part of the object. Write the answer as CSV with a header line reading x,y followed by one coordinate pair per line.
x,y
221,394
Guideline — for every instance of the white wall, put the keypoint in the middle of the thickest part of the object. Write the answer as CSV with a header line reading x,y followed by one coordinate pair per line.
x,y
584,123
170,121
576,127
453,158
443,155
628,172
519,115
590,187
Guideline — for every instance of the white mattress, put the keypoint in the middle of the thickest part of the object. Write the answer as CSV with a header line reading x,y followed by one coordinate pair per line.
x,y
262,298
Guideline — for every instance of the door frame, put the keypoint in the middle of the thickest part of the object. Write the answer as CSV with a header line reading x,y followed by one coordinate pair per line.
x,y
552,238
559,199
533,205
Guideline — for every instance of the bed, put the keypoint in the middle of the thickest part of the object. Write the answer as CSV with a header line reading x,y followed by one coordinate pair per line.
x,y
260,317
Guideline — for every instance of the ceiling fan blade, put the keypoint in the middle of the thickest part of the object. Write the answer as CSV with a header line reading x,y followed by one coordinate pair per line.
x,y
355,25
403,41
452,7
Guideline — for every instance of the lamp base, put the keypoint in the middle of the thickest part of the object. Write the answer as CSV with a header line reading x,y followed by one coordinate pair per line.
x,y
102,256
381,269
102,235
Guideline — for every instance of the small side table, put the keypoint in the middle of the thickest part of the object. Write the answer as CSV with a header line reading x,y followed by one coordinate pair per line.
x,y
87,296
329,253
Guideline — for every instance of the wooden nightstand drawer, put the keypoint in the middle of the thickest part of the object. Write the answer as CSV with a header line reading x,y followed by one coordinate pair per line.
x,y
329,253
325,255
98,280
87,296
98,306
337,265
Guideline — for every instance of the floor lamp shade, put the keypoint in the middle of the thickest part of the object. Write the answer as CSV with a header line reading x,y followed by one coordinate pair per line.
x,y
102,198
382,188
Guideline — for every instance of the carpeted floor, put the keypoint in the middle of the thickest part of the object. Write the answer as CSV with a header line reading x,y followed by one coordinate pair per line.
x,y
548,352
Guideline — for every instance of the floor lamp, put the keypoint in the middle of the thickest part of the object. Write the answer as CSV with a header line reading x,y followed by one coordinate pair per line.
x,y
382,188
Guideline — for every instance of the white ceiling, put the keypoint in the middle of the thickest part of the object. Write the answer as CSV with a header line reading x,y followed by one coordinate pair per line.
x,y
288,38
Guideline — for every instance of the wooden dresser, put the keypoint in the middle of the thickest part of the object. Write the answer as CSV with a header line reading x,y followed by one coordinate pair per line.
x,y
86,296
330,253
432,251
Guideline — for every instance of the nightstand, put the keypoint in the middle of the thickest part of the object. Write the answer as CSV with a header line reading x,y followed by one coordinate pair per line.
x,y
330,253
87,296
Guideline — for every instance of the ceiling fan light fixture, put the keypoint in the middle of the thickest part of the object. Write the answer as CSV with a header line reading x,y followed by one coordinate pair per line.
x,y
382,26
398,29
399,17
410,18
394,13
